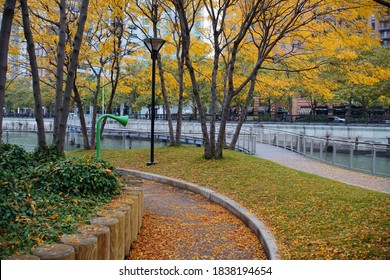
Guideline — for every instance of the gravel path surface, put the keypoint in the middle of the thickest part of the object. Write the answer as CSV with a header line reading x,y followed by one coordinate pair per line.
x,y
300,162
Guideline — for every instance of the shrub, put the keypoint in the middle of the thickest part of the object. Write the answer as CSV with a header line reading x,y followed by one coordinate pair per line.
x,y
43,196
14,161
49,155
77,176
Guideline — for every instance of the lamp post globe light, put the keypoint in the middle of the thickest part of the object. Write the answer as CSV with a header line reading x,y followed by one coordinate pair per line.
x,y
153,45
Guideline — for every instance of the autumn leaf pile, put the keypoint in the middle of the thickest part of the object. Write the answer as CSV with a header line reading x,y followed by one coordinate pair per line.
x,y
43,196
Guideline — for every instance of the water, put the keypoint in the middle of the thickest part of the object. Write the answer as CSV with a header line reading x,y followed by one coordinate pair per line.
x,y
28,140
362,162
338,153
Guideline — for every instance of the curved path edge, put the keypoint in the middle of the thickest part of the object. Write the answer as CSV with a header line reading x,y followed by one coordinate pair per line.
x,y
250,220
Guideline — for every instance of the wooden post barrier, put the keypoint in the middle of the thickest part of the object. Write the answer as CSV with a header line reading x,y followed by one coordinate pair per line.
x,y
113,225
55,252
125,209
23,257
134,215
137,199
85,245
120,216
102,234
138,191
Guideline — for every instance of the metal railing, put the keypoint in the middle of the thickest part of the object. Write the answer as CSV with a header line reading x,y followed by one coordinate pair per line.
x,y
354,155
191,132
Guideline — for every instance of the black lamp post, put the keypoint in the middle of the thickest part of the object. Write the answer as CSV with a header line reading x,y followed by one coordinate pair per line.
x,y
153,45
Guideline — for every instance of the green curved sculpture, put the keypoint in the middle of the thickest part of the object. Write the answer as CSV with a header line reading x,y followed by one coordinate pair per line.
x,y
123,120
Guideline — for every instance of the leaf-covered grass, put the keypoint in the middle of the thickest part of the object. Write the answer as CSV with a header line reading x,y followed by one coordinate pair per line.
x,y
310,216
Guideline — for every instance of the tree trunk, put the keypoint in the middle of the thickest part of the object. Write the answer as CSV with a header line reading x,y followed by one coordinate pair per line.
x,y
115,67
166,101
35,76
213,111
179,120
114,85
94,113
195,86
60,69
71,76
5,33
222,129
243,112
83,125
95,94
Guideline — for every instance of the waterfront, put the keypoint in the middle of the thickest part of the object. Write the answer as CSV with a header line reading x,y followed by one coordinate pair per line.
x,y
371,156
361,162
28,140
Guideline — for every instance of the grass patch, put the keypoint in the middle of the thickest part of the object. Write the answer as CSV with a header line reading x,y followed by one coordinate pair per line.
x,y
310,216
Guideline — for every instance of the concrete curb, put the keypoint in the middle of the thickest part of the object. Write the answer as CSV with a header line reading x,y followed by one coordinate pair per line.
x,y
250,220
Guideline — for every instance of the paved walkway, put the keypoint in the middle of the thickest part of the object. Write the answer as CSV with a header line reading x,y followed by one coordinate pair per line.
x,y
300,162
179,224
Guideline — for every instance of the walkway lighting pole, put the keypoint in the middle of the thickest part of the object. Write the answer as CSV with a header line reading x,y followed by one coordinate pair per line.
x,y
153,45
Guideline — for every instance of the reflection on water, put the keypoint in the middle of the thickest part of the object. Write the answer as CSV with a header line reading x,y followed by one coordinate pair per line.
x,y
28,140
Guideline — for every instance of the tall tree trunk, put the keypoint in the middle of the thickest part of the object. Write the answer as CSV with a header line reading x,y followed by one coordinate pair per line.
x,y
222,128
166,101
83,124
155,19
71,76
98,76
60,69
214,75
5,33
114,85
364,106
115,67
243,113
94,106
35,76
195,86
179,120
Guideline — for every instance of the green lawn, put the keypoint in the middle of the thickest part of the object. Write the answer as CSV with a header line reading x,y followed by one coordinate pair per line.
x,y
310,217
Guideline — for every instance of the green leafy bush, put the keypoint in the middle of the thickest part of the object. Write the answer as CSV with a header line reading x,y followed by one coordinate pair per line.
x,y
43,196
77,176
13,162
49,155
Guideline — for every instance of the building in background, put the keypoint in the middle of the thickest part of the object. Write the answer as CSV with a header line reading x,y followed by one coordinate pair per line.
x,y
382,28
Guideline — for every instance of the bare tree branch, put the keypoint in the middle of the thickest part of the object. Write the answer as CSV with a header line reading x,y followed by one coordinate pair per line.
x,y
383,2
